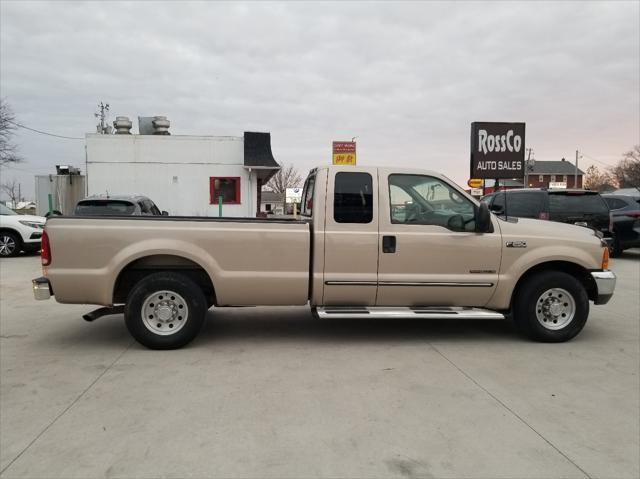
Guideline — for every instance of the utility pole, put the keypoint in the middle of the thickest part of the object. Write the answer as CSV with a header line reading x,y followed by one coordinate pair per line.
x,y
575,176
102,114
526,167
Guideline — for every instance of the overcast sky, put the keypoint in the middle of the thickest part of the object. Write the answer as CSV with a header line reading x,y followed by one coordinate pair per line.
x,y
406,78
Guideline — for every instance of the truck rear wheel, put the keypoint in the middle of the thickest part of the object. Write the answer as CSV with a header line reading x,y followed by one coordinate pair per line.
x,y
165,310
551,306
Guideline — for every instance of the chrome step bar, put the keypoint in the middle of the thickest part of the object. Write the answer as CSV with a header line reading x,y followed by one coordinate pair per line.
x,y
406,312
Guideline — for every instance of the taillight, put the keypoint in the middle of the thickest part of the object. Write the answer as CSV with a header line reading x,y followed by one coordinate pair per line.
x,y
45,250
605,258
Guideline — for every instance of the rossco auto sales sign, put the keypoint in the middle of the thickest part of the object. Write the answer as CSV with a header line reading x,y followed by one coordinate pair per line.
x,y
497,150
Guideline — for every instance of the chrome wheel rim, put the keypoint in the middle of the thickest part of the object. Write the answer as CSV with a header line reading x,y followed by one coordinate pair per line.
x,y
555,308
7,245
164,312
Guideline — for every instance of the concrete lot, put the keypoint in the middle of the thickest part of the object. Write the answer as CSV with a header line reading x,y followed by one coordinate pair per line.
x,y
276,393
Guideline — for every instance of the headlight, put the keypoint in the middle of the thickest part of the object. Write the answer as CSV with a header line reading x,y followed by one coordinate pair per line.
x,y
32,224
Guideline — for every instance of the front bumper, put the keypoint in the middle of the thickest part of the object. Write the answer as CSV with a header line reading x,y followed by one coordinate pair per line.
x,y
605,285
41,288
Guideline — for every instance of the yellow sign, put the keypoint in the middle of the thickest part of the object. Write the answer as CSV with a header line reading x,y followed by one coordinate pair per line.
x,y
344,153
344,159
475,183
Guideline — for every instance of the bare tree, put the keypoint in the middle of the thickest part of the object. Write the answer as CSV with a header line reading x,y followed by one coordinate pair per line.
x,y
627,171
598,181
8,150
12,190
286,177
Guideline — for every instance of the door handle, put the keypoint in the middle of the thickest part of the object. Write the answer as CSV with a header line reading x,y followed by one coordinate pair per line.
x,y
388,244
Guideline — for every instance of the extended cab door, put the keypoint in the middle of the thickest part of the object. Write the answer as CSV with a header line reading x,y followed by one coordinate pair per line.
x,y
351,237
429,253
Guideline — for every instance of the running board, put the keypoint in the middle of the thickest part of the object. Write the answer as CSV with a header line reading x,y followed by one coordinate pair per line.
x,y
404,312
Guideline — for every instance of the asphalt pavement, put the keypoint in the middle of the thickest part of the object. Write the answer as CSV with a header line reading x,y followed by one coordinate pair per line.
x,y
274,392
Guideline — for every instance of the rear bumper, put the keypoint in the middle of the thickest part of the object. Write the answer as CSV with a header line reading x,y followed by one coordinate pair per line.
x,y
41,288
605,285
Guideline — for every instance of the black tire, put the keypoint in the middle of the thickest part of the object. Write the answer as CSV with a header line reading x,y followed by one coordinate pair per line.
x,y
10,244
189,298
530,304
615,249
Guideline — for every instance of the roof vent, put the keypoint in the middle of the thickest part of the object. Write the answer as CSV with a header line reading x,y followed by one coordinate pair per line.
x,y
160,125
122,125
153,125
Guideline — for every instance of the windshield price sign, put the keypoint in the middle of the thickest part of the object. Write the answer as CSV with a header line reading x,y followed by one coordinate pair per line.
x,y
497,150
344,153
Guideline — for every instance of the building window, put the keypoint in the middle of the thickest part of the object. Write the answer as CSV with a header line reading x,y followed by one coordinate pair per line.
x,y
541,178
227,187
553,178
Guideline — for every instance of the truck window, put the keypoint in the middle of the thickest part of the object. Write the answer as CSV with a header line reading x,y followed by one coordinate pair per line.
x,y
425,200
144,208
498,204
353,198
306,207
525,205
153,209
577,204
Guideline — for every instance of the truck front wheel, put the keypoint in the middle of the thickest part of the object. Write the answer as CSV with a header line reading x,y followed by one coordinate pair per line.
x,y
551,306
165,310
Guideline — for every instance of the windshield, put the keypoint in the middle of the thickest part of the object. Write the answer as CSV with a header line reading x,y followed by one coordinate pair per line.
x,y
4,211
104,208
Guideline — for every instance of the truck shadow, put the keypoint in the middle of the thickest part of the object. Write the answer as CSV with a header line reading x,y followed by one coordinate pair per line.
x,y
296,325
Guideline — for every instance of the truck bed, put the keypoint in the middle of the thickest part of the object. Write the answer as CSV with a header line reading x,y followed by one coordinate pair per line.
x,y
249,261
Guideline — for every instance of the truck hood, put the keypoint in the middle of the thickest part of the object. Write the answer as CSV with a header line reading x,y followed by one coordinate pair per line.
x,y
535,239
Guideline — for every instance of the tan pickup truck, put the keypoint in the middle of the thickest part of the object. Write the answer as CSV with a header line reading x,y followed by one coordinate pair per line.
x,y
371,242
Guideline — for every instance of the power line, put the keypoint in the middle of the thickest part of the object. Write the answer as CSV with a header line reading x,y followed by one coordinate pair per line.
x,y
44,132
594,159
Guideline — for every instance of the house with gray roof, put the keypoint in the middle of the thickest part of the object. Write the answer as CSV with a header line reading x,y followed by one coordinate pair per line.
x,y
541,173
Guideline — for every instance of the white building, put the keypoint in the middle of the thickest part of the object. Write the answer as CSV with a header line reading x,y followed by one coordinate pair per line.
x,y
185,175
272,203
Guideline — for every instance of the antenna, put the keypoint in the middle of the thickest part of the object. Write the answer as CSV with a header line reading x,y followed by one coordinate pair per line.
x,y
102,128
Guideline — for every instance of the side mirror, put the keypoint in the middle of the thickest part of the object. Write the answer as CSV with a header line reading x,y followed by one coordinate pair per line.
x,y
456,223
165,213
483,219
497,209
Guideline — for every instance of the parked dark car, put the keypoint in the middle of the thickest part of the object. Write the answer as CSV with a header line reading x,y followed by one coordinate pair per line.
x,y
120,205
625,213
578,207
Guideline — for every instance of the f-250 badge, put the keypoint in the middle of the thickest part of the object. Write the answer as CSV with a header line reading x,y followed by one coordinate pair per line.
x,y
516,244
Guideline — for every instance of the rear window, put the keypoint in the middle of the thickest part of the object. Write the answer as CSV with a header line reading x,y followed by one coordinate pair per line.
x,y
577,203
353,198
104,208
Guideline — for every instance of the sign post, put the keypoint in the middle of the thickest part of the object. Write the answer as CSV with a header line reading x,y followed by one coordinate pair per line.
x,y
344,153
497,150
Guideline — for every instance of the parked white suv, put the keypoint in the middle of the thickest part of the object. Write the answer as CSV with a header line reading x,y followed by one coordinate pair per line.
x,y
19,232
